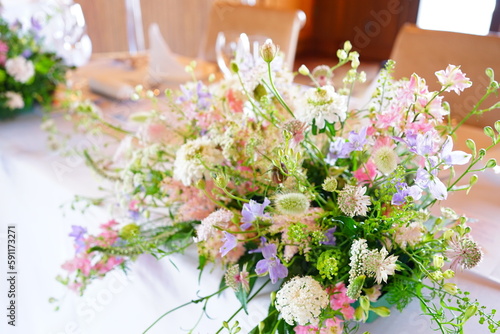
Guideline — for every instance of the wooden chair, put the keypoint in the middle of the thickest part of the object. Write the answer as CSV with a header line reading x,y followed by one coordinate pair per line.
x,y
281,25
426,51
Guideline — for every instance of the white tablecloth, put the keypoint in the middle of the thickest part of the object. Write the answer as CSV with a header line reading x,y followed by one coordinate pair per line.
x,y
35,182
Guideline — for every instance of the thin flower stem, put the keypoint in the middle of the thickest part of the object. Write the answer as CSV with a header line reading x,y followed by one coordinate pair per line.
x,y
275,91
196,301
241,307
472,112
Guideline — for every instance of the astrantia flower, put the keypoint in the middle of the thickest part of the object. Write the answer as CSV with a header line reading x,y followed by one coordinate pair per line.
x,y
235,278
463,252
20,69
301,300
207,227
453,79
14,100
409,234
193,157
352,201
379,264
292,203
322,105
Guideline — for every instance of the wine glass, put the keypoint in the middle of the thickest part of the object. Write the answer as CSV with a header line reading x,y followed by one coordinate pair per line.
x,y
239,47
69,34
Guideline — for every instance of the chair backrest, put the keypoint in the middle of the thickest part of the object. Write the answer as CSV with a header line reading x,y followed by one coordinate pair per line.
x,y
426,51
281,25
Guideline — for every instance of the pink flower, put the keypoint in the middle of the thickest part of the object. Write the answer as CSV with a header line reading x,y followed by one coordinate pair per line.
x,y
78,263
110,264
3,52
332,326
453,79
366,173
340,301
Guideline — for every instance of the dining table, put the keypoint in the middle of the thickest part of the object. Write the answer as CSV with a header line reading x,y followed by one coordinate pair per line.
x,y
38,187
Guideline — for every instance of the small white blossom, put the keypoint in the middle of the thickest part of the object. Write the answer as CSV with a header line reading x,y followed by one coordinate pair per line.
x,y
192,157
322,104
14,100
301,300
20,69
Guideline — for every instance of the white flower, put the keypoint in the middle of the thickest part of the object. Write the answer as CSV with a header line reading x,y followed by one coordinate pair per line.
x,y
192,157
322,104
14,100
206,229
408,234
300,301
20,69
372,263
352,201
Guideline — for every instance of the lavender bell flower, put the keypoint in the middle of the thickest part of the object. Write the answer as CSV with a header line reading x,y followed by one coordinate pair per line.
x,y
427,178
336,151
78,232
252,211
271,264
356,141
453,157
330,238
403,191
229,244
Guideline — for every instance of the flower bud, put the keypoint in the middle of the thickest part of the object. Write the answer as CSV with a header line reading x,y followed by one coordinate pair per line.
x,y
279,174
268,51
347,46
449,273
330,184
304,70
364,303
438,261
234,67
292,203
381,311
469,312
451,288
129,231
448,234
341,54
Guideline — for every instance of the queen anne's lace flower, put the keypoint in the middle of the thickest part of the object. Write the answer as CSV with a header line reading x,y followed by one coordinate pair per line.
x,y
322,104
20,69
193,158
353,201
301,300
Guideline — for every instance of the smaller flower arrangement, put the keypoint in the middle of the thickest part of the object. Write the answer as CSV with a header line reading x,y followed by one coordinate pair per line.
x,y
28,72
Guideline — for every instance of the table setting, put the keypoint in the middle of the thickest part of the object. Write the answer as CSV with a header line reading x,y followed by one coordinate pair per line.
x,y
155,193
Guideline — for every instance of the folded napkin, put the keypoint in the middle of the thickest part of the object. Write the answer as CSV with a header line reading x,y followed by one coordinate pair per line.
x,y
109,87
164,65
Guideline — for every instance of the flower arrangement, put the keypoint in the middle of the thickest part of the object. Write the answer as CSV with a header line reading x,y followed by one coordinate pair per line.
x,y
290,185
28,73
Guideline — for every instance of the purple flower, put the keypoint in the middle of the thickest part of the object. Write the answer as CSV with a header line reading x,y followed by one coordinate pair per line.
x,y
78,232
271,264
453,157
330,238
27,53
356,141
230,243
336,151
403,191
198,95
427,178
421,144
252,211
35,24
